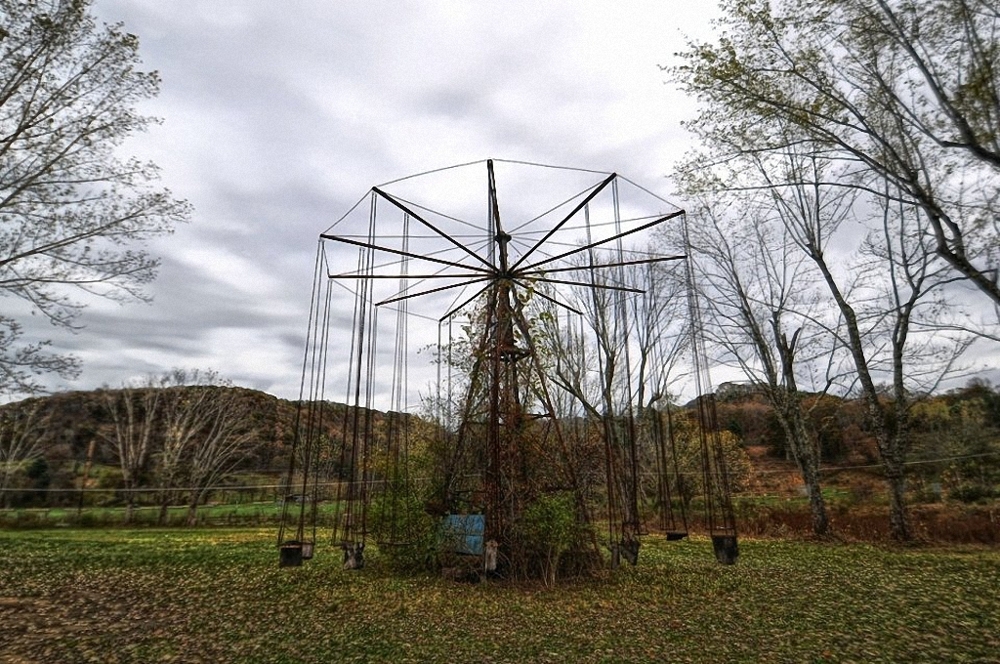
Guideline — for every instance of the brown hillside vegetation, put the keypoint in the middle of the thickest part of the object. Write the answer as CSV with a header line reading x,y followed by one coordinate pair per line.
x,y
73,440
66,443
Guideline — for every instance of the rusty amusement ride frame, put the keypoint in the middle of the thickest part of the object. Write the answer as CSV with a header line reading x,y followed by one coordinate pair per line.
x,y
514,338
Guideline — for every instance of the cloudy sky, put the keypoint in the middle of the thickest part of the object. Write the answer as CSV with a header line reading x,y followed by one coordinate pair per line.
x,y
278,116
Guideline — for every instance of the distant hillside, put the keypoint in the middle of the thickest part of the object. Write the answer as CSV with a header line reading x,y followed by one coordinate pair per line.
x,y
67,424
57,439
65,441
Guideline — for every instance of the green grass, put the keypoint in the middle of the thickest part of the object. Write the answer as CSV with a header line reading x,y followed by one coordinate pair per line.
x,y
219,596
238,514
831,494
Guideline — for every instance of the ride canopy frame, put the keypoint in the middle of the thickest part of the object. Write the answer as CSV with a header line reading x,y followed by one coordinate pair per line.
x,y
498,330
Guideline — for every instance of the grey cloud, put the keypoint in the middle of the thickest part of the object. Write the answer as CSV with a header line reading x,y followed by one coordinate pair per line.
x,y
279,116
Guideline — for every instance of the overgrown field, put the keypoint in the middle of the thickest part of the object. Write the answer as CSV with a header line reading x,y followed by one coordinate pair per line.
x,y
219,596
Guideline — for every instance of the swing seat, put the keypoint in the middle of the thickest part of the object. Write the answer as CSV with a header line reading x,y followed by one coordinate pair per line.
x,y
726,548
307,550
290,554
675,535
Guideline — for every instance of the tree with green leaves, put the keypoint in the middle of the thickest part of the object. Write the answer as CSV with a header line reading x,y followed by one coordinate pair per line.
x,y
74,214
805,99
895,91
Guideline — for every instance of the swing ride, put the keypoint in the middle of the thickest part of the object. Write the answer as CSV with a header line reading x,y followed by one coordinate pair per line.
x,y
505,378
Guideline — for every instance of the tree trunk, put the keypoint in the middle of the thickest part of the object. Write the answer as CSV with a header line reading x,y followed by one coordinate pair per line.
x,y
800,445
551,563
890,430
129,508
192,516
162,518
899,521
804,450
807,450
817,505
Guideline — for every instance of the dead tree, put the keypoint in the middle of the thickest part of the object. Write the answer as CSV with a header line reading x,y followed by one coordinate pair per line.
x,y
756,284
221,440
133,411
20,430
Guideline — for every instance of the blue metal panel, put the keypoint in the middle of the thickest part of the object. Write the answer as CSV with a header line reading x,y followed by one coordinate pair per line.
x,y
463,533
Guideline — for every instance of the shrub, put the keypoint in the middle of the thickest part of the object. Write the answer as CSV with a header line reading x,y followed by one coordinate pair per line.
x,y
407,536
971,493
548,528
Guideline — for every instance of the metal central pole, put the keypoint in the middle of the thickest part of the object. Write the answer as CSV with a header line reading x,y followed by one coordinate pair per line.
x,y
505,407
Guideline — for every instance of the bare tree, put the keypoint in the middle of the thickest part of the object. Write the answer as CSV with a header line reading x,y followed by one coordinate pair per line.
x,y
626,373
616,361
219,417
758,289
186,413
187,429
821,95
73,213
890,299
134,414
20,436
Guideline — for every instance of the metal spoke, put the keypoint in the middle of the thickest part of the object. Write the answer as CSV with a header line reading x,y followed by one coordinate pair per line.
x,y
574,268
610,239
569,216
400,298
550,299
399,252
431,226
587,284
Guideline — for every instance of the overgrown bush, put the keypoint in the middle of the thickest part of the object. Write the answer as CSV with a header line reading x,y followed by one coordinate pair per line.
x,y
972,493
407,536
547,529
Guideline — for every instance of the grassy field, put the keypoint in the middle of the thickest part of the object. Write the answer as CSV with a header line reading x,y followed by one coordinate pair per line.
x,y
219,596
238,514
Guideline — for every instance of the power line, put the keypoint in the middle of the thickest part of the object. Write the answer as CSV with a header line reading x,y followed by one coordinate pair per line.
x,y
911,463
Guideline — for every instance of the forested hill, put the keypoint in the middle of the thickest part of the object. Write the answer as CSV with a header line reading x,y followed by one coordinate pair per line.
x,y
146,437
64,426
154,429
